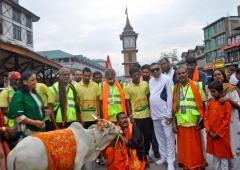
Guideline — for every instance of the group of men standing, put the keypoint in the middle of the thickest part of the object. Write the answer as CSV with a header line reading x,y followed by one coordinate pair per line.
x,y
159,100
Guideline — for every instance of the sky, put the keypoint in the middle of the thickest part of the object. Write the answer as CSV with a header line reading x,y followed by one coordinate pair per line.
x,y
92,27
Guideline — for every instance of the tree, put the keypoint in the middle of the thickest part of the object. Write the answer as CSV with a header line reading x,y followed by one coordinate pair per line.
x,y
172,56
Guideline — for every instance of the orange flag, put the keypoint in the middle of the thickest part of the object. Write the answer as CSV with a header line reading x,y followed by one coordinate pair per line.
x,y
108,64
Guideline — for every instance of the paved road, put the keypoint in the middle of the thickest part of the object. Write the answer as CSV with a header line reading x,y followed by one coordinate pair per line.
x,y
153,166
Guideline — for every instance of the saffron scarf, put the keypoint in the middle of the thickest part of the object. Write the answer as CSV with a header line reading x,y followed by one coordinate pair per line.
x,y
105,95
197,97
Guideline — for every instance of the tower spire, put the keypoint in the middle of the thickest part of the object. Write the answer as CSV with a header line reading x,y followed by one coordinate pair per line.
x,y
128,26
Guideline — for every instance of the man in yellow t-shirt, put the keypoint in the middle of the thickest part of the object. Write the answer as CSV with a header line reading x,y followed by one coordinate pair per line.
x,y
136,95
42,89
88,93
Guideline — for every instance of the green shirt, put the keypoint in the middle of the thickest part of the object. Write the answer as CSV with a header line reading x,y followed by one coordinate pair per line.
x,y
24,104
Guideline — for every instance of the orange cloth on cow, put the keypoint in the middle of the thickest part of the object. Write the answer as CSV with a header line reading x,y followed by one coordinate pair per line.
x,y
189,143
105,95
61,148
217,119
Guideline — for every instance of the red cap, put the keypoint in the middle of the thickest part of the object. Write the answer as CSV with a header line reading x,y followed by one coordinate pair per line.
x,y
14,75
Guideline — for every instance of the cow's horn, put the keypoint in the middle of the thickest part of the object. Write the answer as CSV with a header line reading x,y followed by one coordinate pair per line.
x,y
94,117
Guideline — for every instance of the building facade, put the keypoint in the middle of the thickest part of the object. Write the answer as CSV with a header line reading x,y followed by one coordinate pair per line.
x,y
73,62
129,41
16,24
197,53
216,37
232,50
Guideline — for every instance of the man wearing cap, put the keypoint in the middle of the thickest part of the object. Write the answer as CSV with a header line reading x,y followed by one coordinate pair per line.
x,y
7,93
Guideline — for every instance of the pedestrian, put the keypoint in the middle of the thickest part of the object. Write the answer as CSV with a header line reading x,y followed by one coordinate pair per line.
x,y
136,95
88,94
161,112
26,107
111,97
217,124
167,69
97,77
232,72
7,94
146,76
63,100
145,71
132,145
230,93
77,76
188,110
193,72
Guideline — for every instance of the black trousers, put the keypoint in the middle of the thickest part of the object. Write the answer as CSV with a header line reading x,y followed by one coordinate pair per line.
x,y
146,127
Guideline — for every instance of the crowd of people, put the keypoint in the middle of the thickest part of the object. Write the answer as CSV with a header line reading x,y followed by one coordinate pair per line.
x,y
176,112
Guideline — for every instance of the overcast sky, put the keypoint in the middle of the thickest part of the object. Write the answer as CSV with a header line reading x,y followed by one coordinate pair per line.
x,y
92,27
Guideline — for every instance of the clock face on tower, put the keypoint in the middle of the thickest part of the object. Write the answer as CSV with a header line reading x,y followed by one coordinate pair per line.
x,y
129,42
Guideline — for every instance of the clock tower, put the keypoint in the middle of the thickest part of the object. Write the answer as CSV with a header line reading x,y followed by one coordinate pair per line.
x,y
129,51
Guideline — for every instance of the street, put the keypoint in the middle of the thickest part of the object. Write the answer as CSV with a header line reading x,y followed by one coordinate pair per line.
x,y
153,166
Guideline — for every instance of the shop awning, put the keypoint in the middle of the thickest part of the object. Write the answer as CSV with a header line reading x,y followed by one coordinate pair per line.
x,y
225,48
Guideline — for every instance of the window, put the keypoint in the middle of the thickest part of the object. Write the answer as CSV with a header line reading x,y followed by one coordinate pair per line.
x,y
16,15
0,7
28,21
1,26
17,32
129,57
29,37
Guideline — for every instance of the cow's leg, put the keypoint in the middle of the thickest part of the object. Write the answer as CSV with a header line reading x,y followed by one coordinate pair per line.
x,y
82,151
30,154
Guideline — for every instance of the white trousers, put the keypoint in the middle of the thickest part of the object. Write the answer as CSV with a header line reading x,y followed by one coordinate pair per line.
x,y
166,140
220,164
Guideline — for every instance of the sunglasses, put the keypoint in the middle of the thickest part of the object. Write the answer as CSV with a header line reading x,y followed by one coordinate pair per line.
x,y
155,69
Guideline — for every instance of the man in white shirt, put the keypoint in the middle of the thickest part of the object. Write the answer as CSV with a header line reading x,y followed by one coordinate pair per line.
x,y
233,79
161,112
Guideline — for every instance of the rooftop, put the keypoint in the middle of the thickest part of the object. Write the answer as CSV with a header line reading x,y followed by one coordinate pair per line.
x,y
59,54
35,18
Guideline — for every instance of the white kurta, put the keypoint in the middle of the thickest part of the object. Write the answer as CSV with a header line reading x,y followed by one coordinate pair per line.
x,y
235,130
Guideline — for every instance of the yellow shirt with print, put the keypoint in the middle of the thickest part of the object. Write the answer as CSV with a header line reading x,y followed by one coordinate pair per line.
x,y
88,95
137,94
6,96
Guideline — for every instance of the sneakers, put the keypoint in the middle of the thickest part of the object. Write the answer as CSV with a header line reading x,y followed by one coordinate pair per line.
x,y
160,161
171,166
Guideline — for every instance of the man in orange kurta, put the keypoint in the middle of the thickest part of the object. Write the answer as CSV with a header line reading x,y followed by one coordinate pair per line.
x,y
217,124
188,109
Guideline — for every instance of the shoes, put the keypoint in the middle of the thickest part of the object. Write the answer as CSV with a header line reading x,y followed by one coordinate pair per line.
x,y
156,155
147,162
160,161
171,166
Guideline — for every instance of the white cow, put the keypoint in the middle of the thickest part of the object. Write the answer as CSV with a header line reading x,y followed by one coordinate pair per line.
x,y
30,153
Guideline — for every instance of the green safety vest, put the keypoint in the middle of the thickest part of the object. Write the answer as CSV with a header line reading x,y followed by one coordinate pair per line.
x,y
10,122
189,118
71,110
